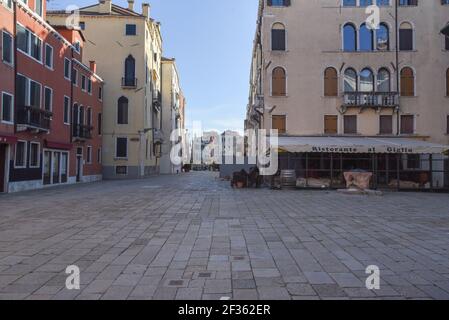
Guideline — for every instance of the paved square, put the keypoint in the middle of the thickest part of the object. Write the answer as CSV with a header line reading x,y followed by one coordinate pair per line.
x,y
192,237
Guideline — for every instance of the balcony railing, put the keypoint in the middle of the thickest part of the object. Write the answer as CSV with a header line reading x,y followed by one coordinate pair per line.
x,y
371,99
34,118
82,132
157,101
129,82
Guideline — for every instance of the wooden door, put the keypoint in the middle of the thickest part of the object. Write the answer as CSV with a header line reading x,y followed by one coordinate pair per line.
x,y
2,167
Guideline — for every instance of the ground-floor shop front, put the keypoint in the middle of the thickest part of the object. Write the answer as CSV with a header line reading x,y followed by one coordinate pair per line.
x,y
394,163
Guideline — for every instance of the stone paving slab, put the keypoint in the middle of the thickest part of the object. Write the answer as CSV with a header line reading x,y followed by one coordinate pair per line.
x,y
191,236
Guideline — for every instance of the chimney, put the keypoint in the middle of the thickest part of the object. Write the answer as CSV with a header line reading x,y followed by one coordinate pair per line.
x,y
105,6
131,5
146,10
93,66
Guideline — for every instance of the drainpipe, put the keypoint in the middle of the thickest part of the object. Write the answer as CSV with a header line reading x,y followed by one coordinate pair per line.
x,y
396,9
14,28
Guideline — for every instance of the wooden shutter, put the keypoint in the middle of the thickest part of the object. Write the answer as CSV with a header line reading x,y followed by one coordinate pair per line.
x,y
278,40
447,124
406,39
407,124
386,125
350,124
447,82
279,123
407,82
330,124
279,82
330,83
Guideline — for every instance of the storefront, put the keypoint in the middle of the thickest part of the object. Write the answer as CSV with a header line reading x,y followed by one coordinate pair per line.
x,y
5,142
396,163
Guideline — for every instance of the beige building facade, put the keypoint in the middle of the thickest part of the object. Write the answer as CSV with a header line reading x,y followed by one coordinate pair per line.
x,y
127,47
320,70
173,107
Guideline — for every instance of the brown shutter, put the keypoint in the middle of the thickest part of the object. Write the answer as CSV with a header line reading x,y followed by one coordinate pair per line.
x,y
447,82
330,82
350,124
330,124
447,124
407,82
407,124
278,83
279,123
386,124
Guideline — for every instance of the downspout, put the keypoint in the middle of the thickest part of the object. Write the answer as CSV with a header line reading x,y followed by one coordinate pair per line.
x,y
71,122
16,106
396,9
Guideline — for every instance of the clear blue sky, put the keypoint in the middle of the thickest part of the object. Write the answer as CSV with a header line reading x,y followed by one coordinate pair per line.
x,y
212,42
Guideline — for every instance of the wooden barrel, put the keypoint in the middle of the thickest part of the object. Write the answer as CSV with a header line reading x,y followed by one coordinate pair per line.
x,y
288,179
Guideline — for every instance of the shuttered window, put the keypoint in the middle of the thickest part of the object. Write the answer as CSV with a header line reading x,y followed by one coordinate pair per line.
x,y
406,37
407,82
278,37
350,124
447,124
386,125
407,124
330,124
447,82
279,123
330,82
278,3
279,82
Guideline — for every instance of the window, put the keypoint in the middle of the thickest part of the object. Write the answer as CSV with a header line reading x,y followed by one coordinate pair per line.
x,y
405,37
278,3
48,56
35,94
89,117
413,161
75,77
130,72
383,38
100,93
100,124
77,46
122,111
350,80
447,82
330,82
38,6
131,30
349,3
278,37
407,124
67,68
408,2
386,124
350,124
66,110
407,82
7,48
383,80
349,37
279,124
7,108
447,124
8,3
89,86
366,38
34,155
29,43
99,160
121,150
89,155
121,170
330,124
82,25
366,80
279,82
48,99
21,154
83,82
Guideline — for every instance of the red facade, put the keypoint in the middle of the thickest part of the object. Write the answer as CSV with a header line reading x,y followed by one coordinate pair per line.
x,y
57,105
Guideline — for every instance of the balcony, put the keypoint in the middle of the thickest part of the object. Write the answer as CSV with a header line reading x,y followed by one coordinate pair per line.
x,y
371,99
33,118
157,101
82,132
129,83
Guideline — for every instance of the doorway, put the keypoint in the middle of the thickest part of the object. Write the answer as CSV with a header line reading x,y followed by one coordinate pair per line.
x,y
3,163
47,167
79,164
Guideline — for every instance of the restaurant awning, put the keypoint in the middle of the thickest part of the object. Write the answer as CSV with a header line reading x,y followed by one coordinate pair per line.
x,y
8,139
58,145
359,145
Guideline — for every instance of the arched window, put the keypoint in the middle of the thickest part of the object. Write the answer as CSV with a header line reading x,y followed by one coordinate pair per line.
x,y
405,37
383,37
350,80
122,111
130,72
278,37
366,38
383,80
330,82
407,82
447,82
349,37
366,80
279,82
